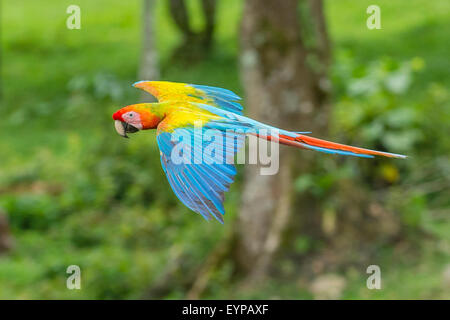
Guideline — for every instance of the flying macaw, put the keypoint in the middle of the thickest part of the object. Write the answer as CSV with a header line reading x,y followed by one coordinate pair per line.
x,y
201,185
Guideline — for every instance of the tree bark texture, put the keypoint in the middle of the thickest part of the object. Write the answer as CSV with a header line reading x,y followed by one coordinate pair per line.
x,y
280,90
148,69
195,44
6,239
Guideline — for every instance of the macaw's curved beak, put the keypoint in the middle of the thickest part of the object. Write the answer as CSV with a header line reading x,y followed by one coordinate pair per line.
x,y
123,128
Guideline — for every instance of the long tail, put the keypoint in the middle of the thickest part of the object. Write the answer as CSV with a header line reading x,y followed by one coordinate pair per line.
x,y
306,142
296,139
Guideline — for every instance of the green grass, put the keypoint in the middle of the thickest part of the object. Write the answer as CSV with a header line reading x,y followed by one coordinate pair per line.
x,y
115,214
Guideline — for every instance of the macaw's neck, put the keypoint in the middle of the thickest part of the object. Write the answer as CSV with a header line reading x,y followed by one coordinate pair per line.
x,y
151,114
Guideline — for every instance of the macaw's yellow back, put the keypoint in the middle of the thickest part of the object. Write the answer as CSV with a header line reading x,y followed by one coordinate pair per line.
x,y
174,91
169,91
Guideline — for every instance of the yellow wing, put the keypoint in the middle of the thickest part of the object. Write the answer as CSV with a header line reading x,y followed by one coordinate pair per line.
x,y
175,91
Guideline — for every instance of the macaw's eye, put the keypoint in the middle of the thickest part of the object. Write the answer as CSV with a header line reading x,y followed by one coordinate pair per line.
x,y
130,115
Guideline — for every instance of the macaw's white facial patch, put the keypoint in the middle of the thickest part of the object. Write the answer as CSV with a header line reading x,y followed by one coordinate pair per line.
x,y
133,118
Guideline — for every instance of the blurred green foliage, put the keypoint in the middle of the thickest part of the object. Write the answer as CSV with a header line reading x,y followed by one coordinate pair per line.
x,y
76,193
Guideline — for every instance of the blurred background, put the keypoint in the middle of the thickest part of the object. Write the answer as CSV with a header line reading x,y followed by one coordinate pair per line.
x,y
72,192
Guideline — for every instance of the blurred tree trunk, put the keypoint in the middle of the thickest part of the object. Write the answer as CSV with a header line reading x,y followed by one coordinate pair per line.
x,y
148,69
180,16
194,44
320,34
1,50
6,240
283,90
209,11
320,50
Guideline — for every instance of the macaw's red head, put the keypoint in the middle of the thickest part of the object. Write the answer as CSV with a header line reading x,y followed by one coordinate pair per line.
x,y
133,118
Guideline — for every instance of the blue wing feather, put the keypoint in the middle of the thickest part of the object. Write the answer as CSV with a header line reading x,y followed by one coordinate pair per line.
x,y
223,98
228,94
200,185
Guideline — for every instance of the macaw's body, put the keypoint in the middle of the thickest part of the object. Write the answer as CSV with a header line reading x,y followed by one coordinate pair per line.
x,y
192,112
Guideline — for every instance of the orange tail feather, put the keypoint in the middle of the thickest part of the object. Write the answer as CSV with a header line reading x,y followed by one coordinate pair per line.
x,y
307,142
